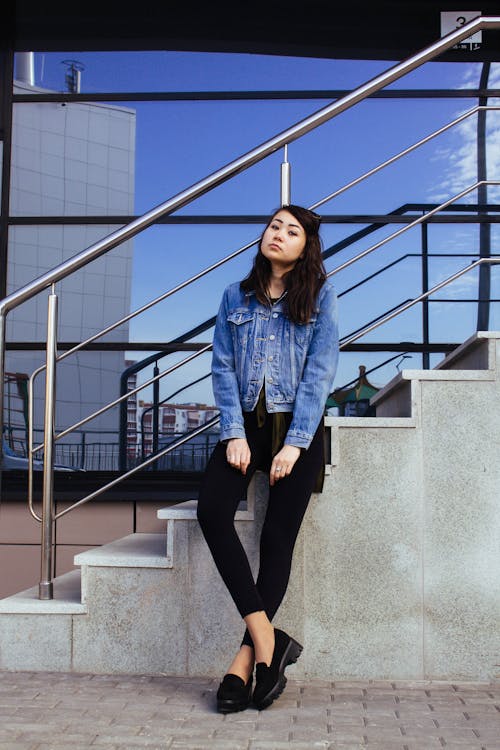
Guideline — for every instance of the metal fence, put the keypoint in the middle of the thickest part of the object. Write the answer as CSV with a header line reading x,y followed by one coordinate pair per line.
x,y
89,454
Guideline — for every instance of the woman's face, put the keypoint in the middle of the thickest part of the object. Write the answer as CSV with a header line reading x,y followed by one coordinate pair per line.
x,y
283,241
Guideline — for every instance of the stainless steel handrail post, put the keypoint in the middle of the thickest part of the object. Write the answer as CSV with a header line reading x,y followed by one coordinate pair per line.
x,y
31,440
285,191
46,586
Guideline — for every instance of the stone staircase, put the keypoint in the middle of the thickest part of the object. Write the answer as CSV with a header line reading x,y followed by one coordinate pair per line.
x,y
395,574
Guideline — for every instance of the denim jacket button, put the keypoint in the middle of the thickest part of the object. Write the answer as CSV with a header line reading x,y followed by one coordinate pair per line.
x,y
275,315
272,337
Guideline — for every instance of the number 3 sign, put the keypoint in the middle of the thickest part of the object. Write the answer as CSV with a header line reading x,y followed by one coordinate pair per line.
x,y
454,19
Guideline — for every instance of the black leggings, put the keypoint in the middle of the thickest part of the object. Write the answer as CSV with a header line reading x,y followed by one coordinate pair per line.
x,y
222,489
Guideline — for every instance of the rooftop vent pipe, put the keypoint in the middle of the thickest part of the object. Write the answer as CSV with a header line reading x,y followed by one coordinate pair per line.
x,y
25,67
73,76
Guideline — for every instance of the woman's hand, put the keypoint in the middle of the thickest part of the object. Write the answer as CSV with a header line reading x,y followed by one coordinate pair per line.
x,y
238,454
283,463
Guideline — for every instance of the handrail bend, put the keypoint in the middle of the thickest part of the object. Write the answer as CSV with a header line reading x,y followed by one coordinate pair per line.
x,y
394,313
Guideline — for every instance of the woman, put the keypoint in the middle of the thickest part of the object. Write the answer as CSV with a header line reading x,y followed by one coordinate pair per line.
x,y
275,352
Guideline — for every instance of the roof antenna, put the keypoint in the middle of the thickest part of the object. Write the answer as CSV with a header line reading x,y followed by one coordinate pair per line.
x,y
73,75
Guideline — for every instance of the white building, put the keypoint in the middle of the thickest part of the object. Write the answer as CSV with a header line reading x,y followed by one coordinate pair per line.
x,y
73,159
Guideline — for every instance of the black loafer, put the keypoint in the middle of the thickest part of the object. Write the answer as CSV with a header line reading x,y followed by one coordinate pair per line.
x,y
233,695
271,681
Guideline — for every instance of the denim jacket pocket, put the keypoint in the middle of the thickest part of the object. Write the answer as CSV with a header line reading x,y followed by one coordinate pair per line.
x,y
242,329
240,316
302,332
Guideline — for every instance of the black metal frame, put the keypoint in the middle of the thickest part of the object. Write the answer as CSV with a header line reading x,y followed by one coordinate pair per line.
x,y
382,30
262,95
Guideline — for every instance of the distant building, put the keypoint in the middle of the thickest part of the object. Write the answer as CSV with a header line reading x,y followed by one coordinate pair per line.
x,y
131,414
354,401
74,159
175,421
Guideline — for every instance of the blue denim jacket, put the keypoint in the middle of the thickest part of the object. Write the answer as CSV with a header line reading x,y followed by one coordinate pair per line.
x,y
255,344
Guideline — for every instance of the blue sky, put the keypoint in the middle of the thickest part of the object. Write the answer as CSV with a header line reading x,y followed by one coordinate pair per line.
x,y
178,143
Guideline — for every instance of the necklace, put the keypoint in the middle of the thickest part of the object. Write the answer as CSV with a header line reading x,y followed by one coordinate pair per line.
x,y
276,300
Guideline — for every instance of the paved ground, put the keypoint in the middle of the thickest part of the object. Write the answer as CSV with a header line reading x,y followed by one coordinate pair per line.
x,y
39,711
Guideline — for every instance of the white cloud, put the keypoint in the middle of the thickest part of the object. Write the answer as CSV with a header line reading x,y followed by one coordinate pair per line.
x,y
460,160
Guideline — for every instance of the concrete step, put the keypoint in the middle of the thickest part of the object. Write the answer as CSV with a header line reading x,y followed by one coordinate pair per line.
x,y
475,360
132,551
187,511
476,353
67,599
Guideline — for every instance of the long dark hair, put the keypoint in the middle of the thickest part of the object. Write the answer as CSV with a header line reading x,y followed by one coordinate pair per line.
x,y
307,277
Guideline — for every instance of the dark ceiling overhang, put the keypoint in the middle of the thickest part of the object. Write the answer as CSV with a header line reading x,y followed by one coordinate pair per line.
x,y
312,28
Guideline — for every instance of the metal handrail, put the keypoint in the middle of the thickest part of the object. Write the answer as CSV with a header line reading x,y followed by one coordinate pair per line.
x,y
416,222
352,338
164,401
175,444
393,313
162,297
57,436
404,152
362,254
233,168
181,199
351,261
247,160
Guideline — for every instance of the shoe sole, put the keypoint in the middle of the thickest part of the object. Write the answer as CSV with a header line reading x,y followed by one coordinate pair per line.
x,y
290,656
229,707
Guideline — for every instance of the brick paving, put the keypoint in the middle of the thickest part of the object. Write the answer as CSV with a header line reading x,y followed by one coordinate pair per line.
x,y
45,711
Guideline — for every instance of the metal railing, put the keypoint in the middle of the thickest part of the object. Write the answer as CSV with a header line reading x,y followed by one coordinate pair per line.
x,y
181,199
